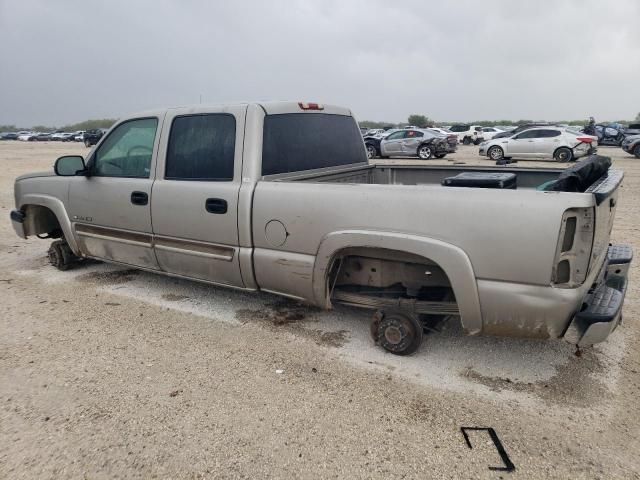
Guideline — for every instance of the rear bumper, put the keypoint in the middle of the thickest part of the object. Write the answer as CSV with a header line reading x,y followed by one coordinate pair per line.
x,y
17,220
601,308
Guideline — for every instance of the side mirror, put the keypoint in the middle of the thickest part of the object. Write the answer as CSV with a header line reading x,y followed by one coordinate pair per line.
x,y
69,166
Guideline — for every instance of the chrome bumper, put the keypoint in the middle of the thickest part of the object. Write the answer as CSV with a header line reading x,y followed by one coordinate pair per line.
x,y
17,220
601,309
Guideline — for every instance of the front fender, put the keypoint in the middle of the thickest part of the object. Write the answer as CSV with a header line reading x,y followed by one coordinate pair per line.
x,y
57,207
453,260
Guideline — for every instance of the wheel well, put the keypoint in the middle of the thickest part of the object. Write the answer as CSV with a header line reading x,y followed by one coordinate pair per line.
x,y
41,220
387,271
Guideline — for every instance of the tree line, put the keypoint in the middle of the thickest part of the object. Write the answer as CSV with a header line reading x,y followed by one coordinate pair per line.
x,y
424,121
73,127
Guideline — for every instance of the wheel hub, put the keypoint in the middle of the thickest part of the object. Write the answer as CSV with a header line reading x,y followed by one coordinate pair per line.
x,y
394,334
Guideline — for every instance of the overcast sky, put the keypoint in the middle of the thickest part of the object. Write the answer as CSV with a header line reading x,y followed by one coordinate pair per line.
x,y
69,60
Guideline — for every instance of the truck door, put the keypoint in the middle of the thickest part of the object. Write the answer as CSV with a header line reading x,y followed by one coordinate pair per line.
x,y
195,197
110,209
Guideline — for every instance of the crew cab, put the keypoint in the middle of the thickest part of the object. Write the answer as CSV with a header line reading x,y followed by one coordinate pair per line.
x,y
279,197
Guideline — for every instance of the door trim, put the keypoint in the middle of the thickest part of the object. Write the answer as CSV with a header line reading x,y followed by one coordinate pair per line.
x,y
194,247
113,234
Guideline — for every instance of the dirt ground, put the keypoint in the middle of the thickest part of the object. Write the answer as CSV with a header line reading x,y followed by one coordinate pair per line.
x,y
113,373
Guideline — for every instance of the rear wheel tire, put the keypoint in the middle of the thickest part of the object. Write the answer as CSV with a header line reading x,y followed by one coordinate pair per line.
x,y
87,143
466,141
563,154
477,141
425,152
398,332
496,153
636,151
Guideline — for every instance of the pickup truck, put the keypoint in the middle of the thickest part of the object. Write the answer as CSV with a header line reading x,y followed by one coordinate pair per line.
x,y
280,197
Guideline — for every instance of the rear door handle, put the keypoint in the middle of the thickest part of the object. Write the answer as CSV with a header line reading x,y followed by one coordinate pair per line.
x,y
139,198
216,205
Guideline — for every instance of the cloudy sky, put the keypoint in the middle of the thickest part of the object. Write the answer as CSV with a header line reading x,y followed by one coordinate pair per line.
x,y
69,60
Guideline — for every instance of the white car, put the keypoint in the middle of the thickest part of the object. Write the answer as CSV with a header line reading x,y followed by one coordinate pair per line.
x,y
541,143
78,136
26,136
468,134
489,132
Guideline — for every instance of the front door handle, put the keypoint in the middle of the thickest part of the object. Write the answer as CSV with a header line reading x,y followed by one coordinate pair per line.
x,y
216,205
139,198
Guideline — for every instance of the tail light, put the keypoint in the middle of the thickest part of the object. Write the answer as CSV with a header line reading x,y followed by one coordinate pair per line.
x,y
585,139
573,252
310,106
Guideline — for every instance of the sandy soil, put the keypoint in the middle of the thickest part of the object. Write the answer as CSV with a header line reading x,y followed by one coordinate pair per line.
x,y
114,373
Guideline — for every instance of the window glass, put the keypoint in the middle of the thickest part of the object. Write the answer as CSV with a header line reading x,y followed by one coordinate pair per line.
x,y
306,141
459,128
201,147
127,151
549,133
528,134
396,136
414,134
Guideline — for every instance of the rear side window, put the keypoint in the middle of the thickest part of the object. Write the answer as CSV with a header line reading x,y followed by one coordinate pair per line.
x,y
459,128
306,141
549,133
201,147
413,134
529,134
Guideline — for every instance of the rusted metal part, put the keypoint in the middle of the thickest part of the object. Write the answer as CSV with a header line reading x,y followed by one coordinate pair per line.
x,y
406,304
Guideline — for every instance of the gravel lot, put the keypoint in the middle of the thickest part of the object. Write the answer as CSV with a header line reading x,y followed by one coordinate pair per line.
x,y
114,373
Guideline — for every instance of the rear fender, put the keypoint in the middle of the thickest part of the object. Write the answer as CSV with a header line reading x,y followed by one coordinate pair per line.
x,y
451,259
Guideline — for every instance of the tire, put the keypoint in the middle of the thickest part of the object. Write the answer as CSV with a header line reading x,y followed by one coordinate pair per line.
x,y
425,151
495,153
440,155
87,143
466,141
636,151
563,154
371,151
60,255
399,332
477,141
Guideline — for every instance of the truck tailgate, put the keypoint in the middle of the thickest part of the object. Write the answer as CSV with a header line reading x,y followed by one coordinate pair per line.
x,y
605,191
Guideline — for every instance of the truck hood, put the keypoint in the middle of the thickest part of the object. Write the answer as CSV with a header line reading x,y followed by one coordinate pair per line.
x,y
49,173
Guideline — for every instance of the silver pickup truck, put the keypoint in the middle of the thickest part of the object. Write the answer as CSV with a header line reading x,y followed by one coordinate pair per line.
x,y
280,197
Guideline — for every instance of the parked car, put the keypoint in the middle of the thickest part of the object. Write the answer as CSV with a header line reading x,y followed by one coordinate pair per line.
x,y
78,136
632,145
27,136
468,134
67,137
421,143
372,142
452,138
490,132
557,143
43,137
8,136
405,242
91,137
614,134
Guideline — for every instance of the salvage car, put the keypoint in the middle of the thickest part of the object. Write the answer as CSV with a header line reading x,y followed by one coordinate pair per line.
x,y
614,134
546,143
632,145
222,195
421,143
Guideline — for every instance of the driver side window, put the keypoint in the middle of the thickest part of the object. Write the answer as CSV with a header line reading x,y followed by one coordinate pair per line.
x,y
127,151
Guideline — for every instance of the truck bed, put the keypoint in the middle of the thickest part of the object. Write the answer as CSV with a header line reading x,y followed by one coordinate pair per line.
x,y
527,178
